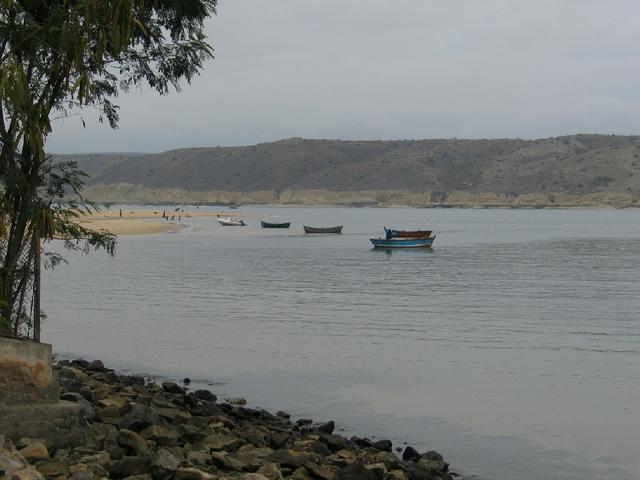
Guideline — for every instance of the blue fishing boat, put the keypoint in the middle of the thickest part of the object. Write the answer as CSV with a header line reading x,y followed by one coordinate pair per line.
x,y
423,242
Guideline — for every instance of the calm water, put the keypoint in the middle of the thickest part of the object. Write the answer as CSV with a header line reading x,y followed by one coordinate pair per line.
x,y
513,347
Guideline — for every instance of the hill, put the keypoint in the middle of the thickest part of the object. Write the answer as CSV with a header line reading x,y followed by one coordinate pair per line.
x,y
577,170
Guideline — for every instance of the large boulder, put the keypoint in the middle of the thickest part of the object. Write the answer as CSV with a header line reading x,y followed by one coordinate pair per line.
x,y
138,417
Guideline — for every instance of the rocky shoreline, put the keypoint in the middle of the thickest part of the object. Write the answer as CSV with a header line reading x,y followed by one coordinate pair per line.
x,y
140,430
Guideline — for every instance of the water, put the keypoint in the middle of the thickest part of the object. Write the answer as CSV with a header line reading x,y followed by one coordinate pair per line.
x,y
513,347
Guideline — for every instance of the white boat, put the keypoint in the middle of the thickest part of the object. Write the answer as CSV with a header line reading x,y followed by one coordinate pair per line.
x,y
231,222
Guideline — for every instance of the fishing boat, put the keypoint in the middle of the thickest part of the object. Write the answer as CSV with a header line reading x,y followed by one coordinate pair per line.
x,y
421,242
231,222
275,224
391,233
337,229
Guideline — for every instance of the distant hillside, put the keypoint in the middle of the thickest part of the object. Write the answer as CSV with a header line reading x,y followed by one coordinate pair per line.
x,y
579,170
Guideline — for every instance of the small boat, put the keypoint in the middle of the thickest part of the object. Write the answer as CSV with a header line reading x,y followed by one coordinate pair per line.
x,y
275,224
337,229
422,242
391,233
231,222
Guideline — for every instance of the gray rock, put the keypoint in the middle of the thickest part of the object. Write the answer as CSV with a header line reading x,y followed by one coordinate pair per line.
x,y
139,417
173,387
163,463
327,428
95,366
205,395
384,445
410,454
133,441
128,466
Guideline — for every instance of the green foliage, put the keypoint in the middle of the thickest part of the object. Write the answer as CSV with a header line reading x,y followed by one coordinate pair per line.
x,y
58,56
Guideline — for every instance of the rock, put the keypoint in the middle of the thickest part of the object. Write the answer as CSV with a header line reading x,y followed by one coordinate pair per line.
x,y
271,471
133,441
146,476
362,442
13,465
282,414
303,422
192,474
358,471
54,468
236,401
432,455
127,466
343,458
205,395
164,463
186,380
327,427
82,472
279,439
410,454
173,387
323,472
95,366
71,397
139,417
291,458
254,476
334,442
300,474
198,457
28,473
35,452
162,436
227,462
384,445
222,441
321,449
81,363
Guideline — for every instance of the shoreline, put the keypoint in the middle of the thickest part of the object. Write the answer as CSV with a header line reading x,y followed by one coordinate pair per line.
x,y
143,430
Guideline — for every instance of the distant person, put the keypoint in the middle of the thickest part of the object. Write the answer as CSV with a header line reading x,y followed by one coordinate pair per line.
x,y
120,213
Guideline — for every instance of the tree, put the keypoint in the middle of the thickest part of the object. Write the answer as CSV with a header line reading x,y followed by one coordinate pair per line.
x,y
57,56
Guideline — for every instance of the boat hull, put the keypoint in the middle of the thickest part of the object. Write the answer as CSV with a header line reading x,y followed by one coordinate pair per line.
x,y
403,242
275,225
337,229
232,222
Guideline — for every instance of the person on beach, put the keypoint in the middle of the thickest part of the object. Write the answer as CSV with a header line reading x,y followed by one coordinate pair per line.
x,y
120,213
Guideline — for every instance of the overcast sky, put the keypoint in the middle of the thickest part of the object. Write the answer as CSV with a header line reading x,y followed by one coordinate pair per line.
x,y
391,69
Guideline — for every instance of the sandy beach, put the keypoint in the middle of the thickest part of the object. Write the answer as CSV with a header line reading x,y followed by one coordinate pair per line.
x,y
144,221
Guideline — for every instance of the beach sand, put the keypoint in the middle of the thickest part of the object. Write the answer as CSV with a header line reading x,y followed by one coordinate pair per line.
x,y
141,222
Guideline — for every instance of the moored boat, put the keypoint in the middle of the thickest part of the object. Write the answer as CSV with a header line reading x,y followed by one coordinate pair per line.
x,y
308,229
422,242
231,222
275,224
391,233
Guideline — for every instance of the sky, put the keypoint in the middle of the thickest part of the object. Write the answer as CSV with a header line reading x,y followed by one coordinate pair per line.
x,y
390,69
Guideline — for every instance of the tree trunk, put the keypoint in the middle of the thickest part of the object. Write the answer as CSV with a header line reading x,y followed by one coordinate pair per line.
x,y
36,285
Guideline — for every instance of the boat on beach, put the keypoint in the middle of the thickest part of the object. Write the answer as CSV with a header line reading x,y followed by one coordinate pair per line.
x,y
231,222
308,229
275,224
